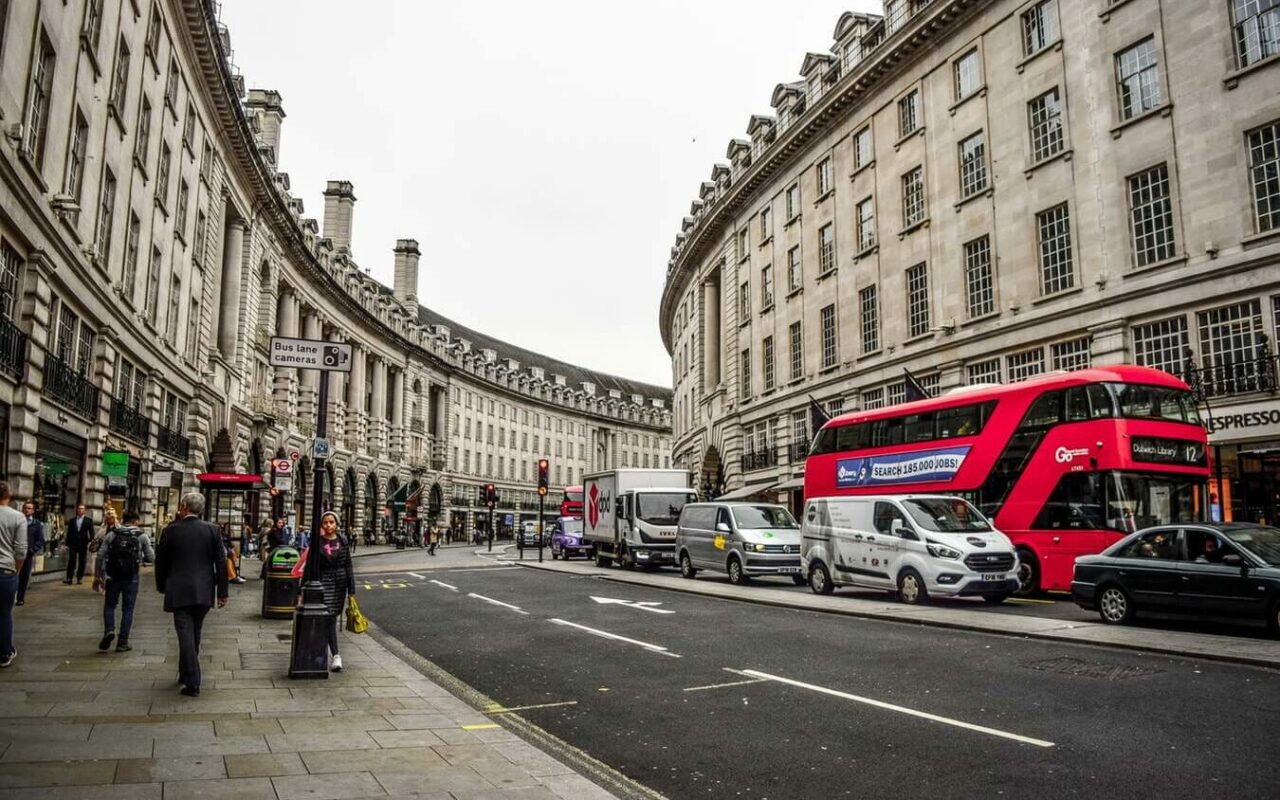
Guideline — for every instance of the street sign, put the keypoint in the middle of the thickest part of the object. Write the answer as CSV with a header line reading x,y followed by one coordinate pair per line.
x,y
282,465
320,449
284,483
310,354
295,455
115,463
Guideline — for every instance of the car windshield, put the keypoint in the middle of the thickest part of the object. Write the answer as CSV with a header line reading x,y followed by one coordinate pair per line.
x,y
757,517
946,515
1263,542
660,508
571,527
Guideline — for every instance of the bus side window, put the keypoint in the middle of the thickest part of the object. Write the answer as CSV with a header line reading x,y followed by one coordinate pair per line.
x,y
1100,403
918,427
1045,412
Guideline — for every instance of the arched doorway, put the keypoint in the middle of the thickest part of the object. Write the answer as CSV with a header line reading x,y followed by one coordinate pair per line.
x,y
435,503
711,475
371,512
349,500
393,518
414,510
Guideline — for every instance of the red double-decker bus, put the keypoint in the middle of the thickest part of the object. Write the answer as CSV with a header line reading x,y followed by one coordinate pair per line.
x,y
571,502
1064,464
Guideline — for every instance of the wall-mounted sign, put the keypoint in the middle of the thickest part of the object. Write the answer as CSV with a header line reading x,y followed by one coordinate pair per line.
x,y
310,354
115,463
1247,421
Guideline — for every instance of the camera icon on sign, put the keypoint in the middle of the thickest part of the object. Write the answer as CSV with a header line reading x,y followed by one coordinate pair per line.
x,y
333,356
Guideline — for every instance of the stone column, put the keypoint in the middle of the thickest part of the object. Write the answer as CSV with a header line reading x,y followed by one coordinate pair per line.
x,y
103,374
24,413
378,408
309,378
398,437
356,414
229,313
337,404
951,377
1109,343
285,377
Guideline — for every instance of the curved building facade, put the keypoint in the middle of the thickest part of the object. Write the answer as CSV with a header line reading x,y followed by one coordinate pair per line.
x,y
149,249
981,191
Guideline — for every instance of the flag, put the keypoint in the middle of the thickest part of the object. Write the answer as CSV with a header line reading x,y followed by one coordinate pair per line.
x,y
914,390
817,417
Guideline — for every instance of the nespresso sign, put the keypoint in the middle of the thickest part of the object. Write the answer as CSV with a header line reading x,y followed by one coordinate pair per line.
x,y
1251,421
1168,451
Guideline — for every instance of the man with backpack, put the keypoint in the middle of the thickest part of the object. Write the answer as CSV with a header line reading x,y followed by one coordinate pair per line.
x,y
124,550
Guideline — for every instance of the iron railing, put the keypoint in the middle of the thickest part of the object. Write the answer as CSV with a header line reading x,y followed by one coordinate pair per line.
x,y
13,349
172,443
1239,377
760,459
798,450
129,422
69,387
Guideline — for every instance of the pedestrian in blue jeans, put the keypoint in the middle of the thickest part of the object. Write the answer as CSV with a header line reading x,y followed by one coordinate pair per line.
x,y
123,552
13,552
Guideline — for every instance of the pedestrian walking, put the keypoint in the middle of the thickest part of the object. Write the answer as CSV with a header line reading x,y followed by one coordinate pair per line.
x,y
431,541
232,566
117,569
13,554
336,576
191,573
79,534
35,546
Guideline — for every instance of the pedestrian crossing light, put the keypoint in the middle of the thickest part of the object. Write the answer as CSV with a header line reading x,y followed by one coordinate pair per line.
x,y
543,482
491,494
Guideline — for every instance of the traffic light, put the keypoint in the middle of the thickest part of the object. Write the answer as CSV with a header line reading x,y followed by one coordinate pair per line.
x,y
543,481
491,494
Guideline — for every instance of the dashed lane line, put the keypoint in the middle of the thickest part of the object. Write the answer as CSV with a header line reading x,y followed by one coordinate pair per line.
x,y
450,587
490,600
416,575
653,648
497,709
724,685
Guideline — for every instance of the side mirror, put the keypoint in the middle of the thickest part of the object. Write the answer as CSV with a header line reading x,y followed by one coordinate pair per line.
x,y
618,507
1233,560
723,527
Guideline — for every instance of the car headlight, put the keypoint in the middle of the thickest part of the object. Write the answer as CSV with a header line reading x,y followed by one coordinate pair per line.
x,y
938,550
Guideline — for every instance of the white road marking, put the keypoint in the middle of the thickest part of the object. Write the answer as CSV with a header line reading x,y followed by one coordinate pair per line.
x,y
501,710
655,648
445,585
516,609
901,709
419,577
646,605
724,685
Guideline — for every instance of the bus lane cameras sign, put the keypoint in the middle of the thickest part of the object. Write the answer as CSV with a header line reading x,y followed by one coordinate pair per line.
x,y
310,354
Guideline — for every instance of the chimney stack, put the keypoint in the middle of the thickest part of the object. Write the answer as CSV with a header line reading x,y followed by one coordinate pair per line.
x,y
405,284
266,103
339,202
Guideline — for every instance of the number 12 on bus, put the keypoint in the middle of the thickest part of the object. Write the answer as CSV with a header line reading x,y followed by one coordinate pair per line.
x,y
1064,464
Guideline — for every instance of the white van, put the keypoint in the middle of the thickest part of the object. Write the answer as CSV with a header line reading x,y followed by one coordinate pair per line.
x,y
739,539
915,545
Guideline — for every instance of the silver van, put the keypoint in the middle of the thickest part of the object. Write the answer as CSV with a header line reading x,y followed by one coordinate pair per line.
x,y
740,539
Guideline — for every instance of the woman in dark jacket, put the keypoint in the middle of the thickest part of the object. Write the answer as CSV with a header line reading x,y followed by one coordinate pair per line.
x,y
336,576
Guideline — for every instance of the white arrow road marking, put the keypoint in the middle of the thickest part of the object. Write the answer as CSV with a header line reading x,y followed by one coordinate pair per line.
x,y
654,648
419,577
445,585
900,709
516,609
645,605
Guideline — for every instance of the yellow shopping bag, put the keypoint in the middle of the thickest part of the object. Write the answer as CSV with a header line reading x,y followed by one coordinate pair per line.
x,y
356,622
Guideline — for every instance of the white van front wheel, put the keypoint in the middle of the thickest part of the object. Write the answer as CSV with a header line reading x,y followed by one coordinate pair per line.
x,y
820,579
911,588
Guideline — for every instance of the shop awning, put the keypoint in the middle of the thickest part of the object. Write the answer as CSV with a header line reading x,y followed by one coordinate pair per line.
x,y
231,480
744,492
787,486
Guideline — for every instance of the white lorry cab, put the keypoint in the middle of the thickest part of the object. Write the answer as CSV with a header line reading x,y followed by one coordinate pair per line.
x,y
629,516
915,545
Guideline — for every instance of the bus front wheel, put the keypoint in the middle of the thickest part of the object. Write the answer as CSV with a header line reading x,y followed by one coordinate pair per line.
x,y
1028,574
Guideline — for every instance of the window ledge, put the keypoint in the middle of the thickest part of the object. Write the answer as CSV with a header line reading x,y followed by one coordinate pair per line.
x,y
866,251
115,115
1162,110
87,47
791,221
1232,79
919,337
796,381
1048,298
1181,258
1260,239
1055,46
745,321
1061,155
870,354
796,291
745,258
828,370
767,392
824,196
186,145
912,228
917,132
766,309
1105,14
766,240
964,201
31,168
827,274
137,162
981,318
160,205
869,165
981,91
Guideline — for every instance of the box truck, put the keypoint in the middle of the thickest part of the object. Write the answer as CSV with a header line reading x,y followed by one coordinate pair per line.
x,y
630,515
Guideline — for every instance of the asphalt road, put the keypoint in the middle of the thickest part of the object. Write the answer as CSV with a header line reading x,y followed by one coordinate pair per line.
x,y
721,699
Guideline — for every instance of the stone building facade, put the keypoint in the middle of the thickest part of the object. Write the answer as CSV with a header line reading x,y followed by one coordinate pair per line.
x,y
981,191
150,247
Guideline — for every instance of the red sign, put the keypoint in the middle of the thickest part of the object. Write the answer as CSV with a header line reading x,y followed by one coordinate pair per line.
x,y
229,478
593,510
295,455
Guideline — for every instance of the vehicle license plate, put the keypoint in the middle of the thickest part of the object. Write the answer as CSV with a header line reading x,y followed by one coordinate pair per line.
x,y
993,576
786,570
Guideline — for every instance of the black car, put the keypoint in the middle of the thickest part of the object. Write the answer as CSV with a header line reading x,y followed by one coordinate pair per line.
x,y
1224,569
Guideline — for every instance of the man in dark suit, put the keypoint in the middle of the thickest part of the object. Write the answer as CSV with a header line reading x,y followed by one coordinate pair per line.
x,y
79,534
191,573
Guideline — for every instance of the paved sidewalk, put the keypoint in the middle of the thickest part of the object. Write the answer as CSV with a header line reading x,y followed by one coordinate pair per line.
x,y
75,723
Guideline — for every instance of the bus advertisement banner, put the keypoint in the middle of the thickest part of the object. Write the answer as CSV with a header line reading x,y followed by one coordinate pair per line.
x,y
922,466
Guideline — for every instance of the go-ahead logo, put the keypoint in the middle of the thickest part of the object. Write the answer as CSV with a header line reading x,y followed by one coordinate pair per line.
x,y
1064,455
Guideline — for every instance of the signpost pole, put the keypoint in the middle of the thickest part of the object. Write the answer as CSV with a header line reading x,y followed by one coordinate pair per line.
x,y
491,527
310,642
541,500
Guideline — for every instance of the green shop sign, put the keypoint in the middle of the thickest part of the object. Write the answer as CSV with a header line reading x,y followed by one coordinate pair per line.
x,y
115,464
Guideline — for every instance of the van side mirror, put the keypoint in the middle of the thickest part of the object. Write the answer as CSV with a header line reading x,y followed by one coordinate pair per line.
x,y
618,509
723,527
900,529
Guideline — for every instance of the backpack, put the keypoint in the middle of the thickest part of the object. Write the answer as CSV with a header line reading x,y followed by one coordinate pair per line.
x,y
123,555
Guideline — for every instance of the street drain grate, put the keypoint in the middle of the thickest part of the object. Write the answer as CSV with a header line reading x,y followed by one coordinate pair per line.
x,y
1075,667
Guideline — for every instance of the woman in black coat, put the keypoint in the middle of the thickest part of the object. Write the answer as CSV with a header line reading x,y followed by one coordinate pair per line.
x,y
337,577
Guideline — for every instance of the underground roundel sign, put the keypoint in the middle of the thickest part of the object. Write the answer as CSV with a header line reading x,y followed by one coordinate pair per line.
x,y
593,508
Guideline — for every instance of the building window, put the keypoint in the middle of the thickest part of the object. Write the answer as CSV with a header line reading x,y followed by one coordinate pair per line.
x,y
1151,216
1230,335
766,287
180,217
744,374
870,319
835,407
142,144
896,393
198,240
153,34
873,399
1054,234
908,114
968,74
744,302
917,300
120,81
978,280
1264,175
74,183
795,271
175,308
162,175
1138,78
1069,355
824,177
1257,27
766,224
767,363
913,197
189,129
1026,364
206,161
983,372
41,90
130,273
973,165
793,201
193,329
866,224
1045,117
153,286
744,241
862,154
106,214
797,351
829,350
800,427
171,87
1039,26
826,248
91,30
10,266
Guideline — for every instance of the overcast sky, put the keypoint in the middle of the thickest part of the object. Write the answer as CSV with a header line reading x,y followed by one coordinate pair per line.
x,y
542,154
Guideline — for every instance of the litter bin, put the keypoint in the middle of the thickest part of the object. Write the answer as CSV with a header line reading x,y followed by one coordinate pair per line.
x,y
279,587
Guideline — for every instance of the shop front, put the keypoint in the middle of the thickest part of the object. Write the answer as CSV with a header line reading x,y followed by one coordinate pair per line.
x,y
231,500
59,486
1245,441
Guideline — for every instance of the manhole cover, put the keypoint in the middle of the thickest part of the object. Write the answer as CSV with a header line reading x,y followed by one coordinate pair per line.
x,y
1066,665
